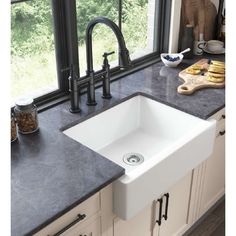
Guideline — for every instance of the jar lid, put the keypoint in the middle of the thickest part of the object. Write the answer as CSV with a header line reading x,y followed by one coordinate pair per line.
x,y
24,103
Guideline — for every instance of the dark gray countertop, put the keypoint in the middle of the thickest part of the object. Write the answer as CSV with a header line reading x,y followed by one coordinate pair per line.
x,y
51,173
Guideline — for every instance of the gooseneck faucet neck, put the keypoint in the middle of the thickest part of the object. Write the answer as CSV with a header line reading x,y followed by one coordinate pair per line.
x,y
124,58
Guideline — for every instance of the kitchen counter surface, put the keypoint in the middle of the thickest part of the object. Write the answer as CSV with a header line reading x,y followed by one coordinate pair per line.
x,y
52,173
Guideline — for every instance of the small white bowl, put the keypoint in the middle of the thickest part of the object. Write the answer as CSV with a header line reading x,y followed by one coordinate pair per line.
x,y
172,63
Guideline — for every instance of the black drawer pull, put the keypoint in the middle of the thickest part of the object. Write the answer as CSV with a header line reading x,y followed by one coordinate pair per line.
x,y
80,217
167,195
223,117
82,235
222,133
160,211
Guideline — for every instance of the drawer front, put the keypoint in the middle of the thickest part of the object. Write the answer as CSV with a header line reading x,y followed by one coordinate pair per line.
x,y
220,129
220,122
219,116
92,228
76,216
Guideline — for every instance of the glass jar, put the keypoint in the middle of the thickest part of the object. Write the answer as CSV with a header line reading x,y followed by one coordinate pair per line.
x,y
13,128
26,115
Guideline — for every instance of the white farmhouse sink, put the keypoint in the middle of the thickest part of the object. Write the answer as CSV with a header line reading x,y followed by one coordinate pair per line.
x,y
172,143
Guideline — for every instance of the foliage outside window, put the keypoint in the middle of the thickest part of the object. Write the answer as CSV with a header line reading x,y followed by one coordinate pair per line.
x,y
104,39
134,27
33,65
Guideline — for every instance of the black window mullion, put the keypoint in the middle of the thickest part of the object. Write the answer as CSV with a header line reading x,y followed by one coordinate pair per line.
x,y
120,2
158,26
71,26
61,48
162,28
166,25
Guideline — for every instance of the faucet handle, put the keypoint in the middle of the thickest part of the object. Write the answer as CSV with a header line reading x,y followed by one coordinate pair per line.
x,y
106,54
105,60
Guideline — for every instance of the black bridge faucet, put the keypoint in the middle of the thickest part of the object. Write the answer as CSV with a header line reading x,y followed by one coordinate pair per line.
x,y
104,73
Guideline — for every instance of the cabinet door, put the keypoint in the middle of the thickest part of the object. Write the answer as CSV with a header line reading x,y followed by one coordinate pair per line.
x,y
177,215
214,179
141,225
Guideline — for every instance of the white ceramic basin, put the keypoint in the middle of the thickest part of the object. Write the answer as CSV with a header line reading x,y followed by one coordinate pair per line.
x,y
172,143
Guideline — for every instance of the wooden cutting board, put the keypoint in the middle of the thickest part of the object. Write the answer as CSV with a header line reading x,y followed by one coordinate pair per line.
x,y
196,82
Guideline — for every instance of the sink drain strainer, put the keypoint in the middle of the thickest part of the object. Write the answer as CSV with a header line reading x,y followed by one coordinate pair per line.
x,y
133,159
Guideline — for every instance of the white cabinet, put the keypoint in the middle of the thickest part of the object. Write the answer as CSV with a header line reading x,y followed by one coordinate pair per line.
x,y
209,178
214,176
170,210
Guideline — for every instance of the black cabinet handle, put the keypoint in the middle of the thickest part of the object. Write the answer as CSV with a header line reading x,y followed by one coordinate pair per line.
x,y
80,217
160,211
223,117
167,195
222,133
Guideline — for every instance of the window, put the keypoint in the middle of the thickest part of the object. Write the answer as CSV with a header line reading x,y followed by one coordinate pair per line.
x,y
33,64
49,35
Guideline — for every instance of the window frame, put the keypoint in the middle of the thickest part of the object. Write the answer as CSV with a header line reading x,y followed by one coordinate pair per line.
x,y
67,48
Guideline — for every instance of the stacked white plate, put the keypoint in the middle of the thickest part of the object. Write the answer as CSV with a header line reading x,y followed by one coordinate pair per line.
x,y
222,51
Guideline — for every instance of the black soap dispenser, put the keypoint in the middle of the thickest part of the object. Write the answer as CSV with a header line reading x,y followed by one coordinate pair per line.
x,y
188,41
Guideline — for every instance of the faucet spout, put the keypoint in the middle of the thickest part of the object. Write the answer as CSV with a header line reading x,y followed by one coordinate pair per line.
x,y
124,59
